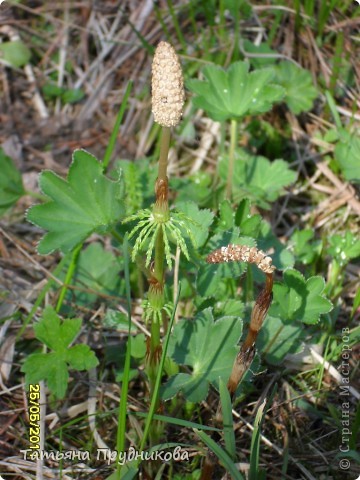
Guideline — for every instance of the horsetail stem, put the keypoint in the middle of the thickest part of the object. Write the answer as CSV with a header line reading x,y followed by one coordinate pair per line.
x,y
167,104
168,97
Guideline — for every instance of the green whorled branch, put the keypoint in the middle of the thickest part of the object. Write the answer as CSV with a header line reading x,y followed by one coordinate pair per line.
x,y
150,223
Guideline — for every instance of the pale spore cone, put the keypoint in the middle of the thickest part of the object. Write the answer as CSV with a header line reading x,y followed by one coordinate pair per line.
x,y
168,93
242,253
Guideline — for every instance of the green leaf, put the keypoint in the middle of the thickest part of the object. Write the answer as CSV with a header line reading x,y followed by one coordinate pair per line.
x,y
234,93
344,247
11,187
257,179
282,257
128,472
265,56
202,219
72,95
300,299
97,270
208,347
55,334
80,357
84,203
226,213
356,303
297,82
53,367
196,187
50,367
238,7
306,250
229,307
249,224
117,320
194,475
255,471
276,339
347,154
51,90
138,346
15,53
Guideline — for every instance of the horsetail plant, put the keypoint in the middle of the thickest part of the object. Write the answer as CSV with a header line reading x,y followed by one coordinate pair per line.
x,y
156,225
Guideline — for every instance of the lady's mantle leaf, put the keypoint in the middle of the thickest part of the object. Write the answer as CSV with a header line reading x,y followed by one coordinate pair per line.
x,y
234,93
277,339
299,88
97,272
266,240
306,249
208,347
86,202
202,219
347,154
300,299
344,248
258,179
53,367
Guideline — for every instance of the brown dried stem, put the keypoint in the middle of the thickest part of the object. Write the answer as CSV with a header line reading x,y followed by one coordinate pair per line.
x,y
247,351
242,362
243,253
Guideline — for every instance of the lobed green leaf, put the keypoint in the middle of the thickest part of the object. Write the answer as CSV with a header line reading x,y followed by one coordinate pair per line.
x,y
234,93
208,347
53,366
276,339
298,84
201,221
98,270
84,203
300,299
347,154
257,179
